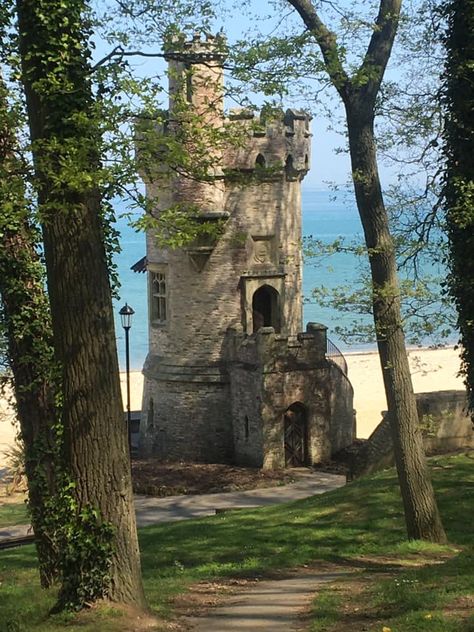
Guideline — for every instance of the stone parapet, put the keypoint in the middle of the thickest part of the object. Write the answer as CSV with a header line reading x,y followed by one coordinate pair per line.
x,y
280,145
271,351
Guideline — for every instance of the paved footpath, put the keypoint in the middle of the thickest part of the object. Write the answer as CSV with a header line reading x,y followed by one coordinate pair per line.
x,y
273,605
270,605
150,510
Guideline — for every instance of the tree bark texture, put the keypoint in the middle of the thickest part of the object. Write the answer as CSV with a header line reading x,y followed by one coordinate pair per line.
x,y
359,98
421,512
96,444
459,174
27,325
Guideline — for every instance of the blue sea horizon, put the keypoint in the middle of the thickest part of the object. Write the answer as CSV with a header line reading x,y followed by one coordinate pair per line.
x,y
326,216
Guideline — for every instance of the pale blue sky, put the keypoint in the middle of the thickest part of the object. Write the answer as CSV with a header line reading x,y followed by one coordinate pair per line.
x,y
328,164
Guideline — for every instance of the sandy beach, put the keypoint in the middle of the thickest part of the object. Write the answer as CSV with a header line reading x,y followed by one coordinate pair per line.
x,y
432,370
8,428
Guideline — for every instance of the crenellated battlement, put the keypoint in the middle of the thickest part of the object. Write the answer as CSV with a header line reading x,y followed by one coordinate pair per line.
x,y
269,145
269,351
202,47
265,147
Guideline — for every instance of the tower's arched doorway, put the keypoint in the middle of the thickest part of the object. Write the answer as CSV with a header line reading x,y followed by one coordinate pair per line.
x,y
295,427
266,308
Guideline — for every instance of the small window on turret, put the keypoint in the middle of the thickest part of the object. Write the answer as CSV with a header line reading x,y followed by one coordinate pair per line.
x,y
189,83
246,427
290,170
260,161
158,302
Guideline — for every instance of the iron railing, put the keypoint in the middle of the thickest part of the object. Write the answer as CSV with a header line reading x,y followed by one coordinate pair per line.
x,y
334,354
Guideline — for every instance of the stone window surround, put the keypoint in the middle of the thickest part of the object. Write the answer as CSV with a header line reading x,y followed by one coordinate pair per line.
x,y
153,269
250,283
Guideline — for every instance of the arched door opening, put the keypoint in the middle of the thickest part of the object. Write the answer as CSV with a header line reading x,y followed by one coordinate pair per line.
x,y
295,427
266,308
260,161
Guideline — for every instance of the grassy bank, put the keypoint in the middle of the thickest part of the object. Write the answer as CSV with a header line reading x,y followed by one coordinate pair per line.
x,y
13,513
353,526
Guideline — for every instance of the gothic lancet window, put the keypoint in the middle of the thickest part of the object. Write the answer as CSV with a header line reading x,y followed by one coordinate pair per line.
x,y
158,302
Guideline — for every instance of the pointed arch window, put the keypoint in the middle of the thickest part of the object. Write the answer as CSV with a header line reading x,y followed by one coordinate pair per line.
x,y
158,297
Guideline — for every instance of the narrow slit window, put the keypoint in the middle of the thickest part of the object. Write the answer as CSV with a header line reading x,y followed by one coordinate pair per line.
x,y
189,83
158,297
246,427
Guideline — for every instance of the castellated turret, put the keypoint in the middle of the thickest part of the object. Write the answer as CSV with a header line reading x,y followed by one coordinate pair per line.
x,y
245,277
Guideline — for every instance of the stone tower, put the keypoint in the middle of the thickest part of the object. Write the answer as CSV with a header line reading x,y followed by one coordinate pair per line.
x,y
206,298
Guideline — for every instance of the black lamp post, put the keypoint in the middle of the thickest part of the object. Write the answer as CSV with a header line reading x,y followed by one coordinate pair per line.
x,y
126,314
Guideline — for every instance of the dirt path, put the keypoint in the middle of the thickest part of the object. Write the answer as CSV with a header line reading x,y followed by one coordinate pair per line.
x,y
270,605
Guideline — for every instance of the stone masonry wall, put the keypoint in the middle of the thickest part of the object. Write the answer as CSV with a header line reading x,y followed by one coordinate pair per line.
x,y
343,422
187,421
281,390
271,372
200,401
444,421
246,402
203,304
444,424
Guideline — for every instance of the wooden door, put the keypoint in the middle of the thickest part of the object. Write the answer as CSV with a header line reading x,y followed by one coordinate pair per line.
x,y
295,431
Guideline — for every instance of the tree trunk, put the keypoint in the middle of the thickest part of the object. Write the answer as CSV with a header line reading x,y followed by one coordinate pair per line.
x,y
359,93
27,325
458,99
55,74
96,440
421,512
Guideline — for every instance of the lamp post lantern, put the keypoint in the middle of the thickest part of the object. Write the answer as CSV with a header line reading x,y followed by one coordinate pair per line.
x,y
126,314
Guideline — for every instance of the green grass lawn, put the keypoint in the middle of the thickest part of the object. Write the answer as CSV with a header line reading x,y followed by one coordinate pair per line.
x,y
361,520
13,513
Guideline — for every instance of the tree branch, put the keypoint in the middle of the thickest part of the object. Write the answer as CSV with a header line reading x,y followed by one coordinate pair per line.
x,y
118,51
326,40
380,45
370,73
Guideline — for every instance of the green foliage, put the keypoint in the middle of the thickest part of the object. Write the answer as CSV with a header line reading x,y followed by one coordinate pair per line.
x,y
87,548
26,325
458,194
178,225
74,544
425,315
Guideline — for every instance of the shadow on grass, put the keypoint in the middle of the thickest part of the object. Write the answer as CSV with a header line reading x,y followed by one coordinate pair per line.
x,y
365,517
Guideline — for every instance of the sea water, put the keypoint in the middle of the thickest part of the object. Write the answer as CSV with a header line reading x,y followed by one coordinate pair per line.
x,y
326,217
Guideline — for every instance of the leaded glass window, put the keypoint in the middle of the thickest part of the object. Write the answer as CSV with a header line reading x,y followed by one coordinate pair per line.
x,y
158,297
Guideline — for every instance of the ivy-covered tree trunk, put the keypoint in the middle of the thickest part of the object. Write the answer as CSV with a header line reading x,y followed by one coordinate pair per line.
x,y
103,560
359,94
27,327
459,174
